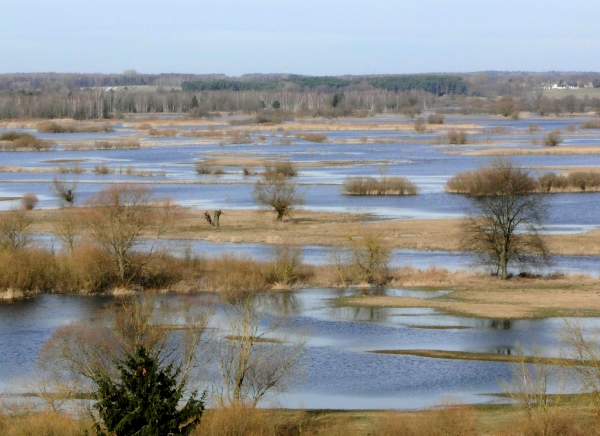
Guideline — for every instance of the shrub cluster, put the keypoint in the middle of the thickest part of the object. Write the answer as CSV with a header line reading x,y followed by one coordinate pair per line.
x,y
383,186
281,168
591,124
54,127
553,138
471,182
435,119
19,141
457,137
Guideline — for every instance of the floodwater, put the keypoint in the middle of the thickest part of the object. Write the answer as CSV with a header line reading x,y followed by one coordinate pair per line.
x,y
339,371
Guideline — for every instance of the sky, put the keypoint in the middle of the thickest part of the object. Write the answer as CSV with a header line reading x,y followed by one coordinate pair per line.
x,y
313,37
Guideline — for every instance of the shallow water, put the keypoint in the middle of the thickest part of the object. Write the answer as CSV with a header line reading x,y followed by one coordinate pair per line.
x,y
340,372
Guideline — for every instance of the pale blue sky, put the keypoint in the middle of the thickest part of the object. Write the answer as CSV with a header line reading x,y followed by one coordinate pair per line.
x,y
326,37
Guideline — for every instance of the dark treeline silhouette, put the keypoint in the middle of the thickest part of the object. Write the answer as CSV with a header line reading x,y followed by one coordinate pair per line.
x,y
97,96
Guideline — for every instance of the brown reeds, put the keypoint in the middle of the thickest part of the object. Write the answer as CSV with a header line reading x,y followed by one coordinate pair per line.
x,y
312,137
18,141
280,168
382,186
42,424
54,127
456,137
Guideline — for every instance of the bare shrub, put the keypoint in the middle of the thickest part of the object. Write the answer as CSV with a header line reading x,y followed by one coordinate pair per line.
x,y
420,126
13,230
29,201
435,119
285,266
32,270
533,128
591,124
278,193
118,216
383,186
102,169
204,169
283,168
457,137
583,180
312,137
553,138
253,360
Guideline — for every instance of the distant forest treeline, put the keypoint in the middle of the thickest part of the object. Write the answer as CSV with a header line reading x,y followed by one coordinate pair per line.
x,y
435,84
95,96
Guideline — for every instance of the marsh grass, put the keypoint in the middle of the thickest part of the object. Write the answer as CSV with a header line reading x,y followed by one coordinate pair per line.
x,y
382,186
19,141
280,168
54,127
167,133
457,137
312,137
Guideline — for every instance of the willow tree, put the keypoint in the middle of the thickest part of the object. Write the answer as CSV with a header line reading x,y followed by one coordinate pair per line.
x,y
503,225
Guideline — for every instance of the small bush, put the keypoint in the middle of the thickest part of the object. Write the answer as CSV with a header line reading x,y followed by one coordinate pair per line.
x,y
282,168
553,138
591,124
420,125
533,128
102,169
435,119
457,137
383,186
203,169
286,264
29,201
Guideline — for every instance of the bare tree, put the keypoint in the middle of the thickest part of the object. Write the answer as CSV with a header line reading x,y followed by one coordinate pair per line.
x,y
13,230
278,192
503,226
119,216
254,360
77,354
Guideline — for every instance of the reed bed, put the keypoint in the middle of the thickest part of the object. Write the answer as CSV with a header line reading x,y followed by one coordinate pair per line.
x,y
383,186
19,141
54,127
591,124
578,181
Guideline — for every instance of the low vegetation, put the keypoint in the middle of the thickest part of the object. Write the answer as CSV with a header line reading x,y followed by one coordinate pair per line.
x,y
591,124
383,186
54,127
456,137
19,141
312,137
553,138
576,181
435,119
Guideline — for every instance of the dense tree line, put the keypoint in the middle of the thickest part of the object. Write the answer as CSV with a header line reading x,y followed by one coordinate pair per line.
x,y
435,84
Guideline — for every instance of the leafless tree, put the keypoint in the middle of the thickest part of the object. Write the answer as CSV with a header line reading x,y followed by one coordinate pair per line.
x,y
278,192
13,230
254,359
119,216
503,226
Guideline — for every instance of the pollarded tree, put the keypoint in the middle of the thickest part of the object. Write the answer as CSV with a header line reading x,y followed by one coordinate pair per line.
x,y
276,191
145,400
507,213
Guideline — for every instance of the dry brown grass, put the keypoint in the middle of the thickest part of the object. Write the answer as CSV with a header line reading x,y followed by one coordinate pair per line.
x,y
510,299
312,137
54,127
382,186
42,424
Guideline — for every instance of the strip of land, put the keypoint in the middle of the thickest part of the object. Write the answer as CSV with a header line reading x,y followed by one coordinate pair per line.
x,y
489,357
558,150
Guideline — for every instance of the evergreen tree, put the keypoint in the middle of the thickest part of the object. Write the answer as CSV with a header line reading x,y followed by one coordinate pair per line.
x,y
144,402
